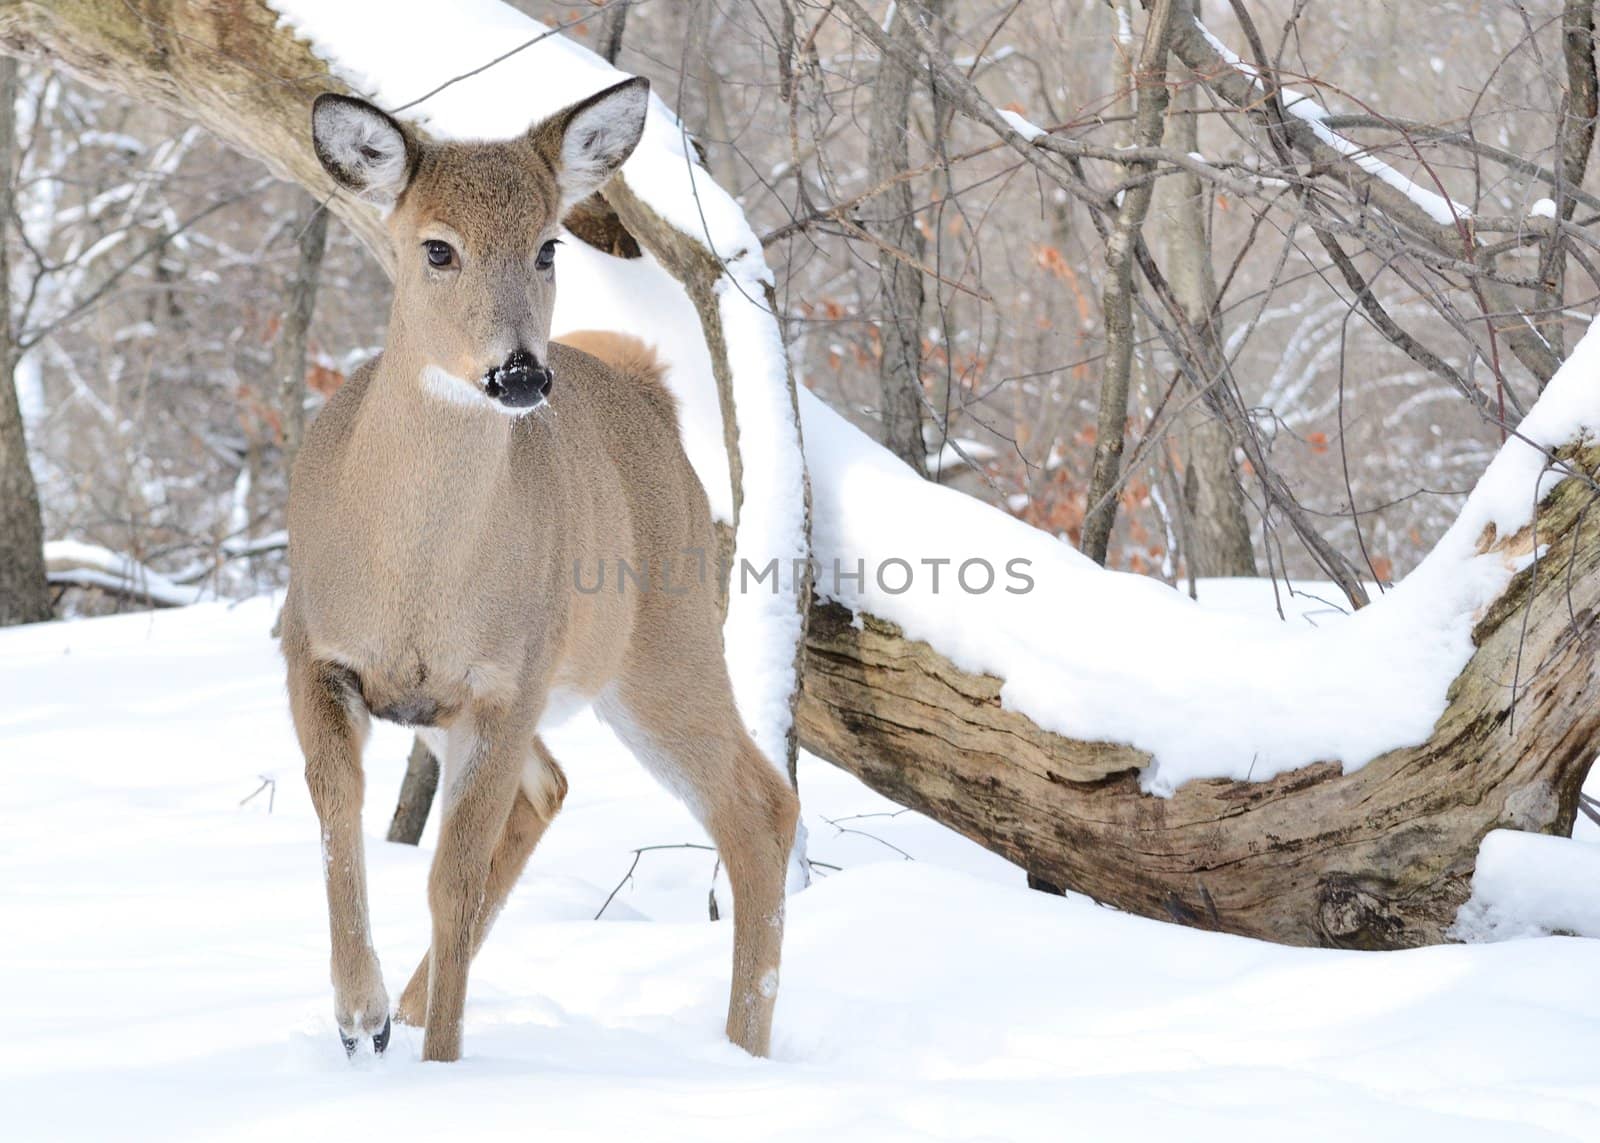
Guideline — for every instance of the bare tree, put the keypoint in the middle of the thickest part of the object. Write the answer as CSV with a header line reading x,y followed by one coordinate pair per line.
x,y
1575,129
892,216
1149,79
1216,527
289,356
24,592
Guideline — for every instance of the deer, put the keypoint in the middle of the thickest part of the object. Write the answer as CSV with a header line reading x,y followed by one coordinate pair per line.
x,y
439,508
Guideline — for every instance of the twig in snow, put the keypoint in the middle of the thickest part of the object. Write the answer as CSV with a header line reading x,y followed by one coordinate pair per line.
x,y
637,854
834,822
270,785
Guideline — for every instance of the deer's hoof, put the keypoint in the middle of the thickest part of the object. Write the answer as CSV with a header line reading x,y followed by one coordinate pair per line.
x,y
380,1040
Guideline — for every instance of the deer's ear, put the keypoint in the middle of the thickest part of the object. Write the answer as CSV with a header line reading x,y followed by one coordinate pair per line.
x,y
594,136
363,148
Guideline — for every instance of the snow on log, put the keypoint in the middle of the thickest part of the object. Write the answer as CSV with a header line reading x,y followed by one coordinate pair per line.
x,y
1317,786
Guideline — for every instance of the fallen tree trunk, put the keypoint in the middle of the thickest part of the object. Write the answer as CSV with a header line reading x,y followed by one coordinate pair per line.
x,y
1380,858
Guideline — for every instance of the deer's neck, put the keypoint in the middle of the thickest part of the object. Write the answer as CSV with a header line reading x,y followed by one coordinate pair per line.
x,y
427,460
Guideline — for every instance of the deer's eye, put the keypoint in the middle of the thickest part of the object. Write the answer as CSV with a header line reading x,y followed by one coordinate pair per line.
x,y
547,254
441,256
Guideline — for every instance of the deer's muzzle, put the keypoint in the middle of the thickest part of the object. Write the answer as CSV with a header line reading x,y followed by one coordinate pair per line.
x,y
520,382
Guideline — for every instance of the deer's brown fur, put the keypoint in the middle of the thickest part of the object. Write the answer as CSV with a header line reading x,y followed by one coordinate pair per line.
x,y
436,546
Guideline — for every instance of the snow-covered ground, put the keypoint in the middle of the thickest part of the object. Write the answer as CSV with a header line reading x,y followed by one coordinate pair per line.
x,y
164,952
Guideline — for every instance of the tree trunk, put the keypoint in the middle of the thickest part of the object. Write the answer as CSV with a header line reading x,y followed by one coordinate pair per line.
x,y
608,38
1580,104
1380,858
892,216
416,795
24,591
1213,502
1149,79
289,355
1218,531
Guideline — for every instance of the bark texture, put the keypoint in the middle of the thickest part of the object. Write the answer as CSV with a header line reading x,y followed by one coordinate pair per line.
x,y
1380,858
24,591
416,795
1217,531
892,217
1580,104
289,355
613,25
1150,79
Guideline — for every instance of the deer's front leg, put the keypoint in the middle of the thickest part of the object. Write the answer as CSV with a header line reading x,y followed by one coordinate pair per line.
x,y
479,795
332,726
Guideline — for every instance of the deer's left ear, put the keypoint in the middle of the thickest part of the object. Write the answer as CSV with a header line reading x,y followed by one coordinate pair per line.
x,y
591,139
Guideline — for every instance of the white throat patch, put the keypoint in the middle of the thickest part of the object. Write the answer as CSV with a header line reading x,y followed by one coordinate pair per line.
x,y
459,391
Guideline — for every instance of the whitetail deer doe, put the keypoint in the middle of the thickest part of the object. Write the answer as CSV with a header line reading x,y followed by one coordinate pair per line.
x,y
439,509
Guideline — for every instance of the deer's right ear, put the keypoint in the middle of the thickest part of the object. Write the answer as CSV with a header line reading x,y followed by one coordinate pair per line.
x,y
363,148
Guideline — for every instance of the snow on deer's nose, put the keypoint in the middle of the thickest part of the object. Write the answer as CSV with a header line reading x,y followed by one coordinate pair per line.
x,y
519,382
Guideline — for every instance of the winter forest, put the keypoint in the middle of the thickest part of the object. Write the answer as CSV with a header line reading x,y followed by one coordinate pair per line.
x,y
1125,468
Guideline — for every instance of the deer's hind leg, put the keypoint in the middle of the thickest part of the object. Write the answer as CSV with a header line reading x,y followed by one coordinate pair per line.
x,y
692,740
544,786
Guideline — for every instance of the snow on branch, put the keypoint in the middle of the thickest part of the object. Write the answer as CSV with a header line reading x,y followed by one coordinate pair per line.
x,y
72,563
1442,209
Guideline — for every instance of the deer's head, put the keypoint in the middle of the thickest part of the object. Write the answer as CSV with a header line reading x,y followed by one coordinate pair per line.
x,y
474,229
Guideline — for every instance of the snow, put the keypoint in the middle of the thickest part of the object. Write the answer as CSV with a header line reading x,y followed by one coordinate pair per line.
x,y
1445,211
166,949
1543,208
1108,656
396,52
1029,131
90,565
959,452
763,628
1531,884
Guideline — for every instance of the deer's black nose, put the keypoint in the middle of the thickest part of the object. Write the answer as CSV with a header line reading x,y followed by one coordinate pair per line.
x,y
519,382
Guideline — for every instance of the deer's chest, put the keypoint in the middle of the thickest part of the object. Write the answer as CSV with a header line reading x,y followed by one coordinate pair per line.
x,y
429,615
